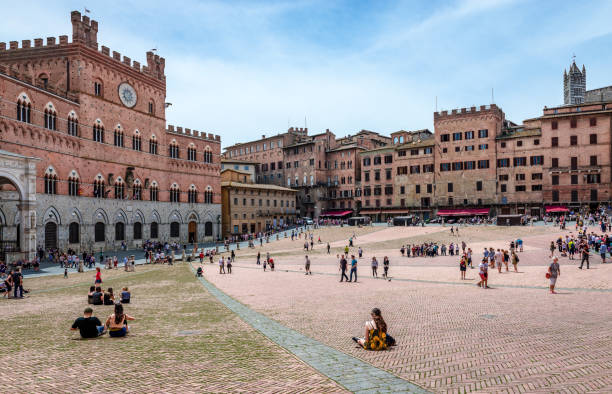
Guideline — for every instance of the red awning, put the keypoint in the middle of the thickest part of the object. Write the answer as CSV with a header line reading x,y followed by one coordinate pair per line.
x,y
463,212
336,213
556,208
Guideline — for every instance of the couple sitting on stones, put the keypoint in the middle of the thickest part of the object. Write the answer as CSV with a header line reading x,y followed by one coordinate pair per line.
x,y
91,327
376,337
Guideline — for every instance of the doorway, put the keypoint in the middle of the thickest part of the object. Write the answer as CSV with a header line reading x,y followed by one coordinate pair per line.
x,y
50,236
193,232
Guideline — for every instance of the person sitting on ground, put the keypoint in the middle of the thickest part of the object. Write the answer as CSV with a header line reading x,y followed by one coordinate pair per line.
x,y
117,322
109,297
92,290
88,325
125,296
97,298
376,337
199,272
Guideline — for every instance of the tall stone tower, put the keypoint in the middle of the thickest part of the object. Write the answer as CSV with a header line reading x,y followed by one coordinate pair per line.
x,y
574,84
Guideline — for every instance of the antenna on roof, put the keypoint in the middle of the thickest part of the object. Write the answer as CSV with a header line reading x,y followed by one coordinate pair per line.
x,y
492,96
436,104
305,123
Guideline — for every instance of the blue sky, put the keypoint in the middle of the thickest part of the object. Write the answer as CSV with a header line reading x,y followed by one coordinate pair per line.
x,y
246,68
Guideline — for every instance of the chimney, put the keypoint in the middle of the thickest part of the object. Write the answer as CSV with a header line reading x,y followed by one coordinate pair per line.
x,y
263,136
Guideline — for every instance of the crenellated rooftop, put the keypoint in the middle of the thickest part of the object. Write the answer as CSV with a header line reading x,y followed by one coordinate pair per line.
x,y
467,111
193,133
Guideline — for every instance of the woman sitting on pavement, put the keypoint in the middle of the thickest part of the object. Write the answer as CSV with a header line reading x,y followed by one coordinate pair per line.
x,y
117,322
125,296
109,297
376,337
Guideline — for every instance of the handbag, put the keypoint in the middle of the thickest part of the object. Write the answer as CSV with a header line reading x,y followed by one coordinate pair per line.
x,y
548,275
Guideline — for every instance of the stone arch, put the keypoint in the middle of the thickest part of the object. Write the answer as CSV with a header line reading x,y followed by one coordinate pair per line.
x,y
100,215
51,215
120,216
193,216
139,217
24,98
175,216
2,218
76,216
15,182
155,216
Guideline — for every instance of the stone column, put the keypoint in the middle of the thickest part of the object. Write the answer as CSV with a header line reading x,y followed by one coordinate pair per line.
x,y
27,210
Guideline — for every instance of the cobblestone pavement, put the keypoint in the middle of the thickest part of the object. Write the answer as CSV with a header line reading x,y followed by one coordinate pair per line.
x,y
350,372
183,341
451,338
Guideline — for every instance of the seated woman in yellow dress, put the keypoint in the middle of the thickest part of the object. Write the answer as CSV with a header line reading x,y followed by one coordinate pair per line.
x,y
376,337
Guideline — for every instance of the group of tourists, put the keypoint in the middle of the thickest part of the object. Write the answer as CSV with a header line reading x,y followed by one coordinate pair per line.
x,y
11,281
116,324
432,249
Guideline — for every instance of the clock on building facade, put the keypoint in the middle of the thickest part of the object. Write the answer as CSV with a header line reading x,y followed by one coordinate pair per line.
x,y
127,95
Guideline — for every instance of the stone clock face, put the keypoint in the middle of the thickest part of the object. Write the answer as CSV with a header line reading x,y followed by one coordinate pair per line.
x,y
127,94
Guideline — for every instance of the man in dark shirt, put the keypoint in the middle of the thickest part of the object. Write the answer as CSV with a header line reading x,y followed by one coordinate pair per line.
x,y
17,283
343,265
89,326
97,297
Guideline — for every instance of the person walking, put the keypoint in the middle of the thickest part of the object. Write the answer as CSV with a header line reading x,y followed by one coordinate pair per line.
x,y
603,249
328,247
307,266
554,271
360,252
221,265
343,266
484,274
515,260
353,268
386,267
229,266
463,266
374,267
585,255
258,258
17,283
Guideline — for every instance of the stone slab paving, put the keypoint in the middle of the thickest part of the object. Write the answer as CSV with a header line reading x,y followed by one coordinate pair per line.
x,y
350,372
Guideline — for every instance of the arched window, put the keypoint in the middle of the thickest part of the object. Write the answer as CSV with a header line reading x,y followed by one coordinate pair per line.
x,y
191,152
137,230
73,233
119,231
173,150
98,187
137,190
99,235
208,229
151,107
24,107
98,88
208,156
50,117
73,124
119,189
175,193
192,194
98,132
42,81
50,181
73,184
118,136
208,195
154,192
154,230
175,230
153,145
136,141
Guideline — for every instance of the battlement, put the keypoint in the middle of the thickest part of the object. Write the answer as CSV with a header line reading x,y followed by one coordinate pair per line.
x,y
492,108
193,133
300,130
85,32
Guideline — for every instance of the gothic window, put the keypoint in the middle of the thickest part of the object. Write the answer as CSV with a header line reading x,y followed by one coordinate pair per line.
x,y
208,157
50,116
173,150
98,187
208,195
119,189
118,136
97,88
191,152
153,145
192,194
119,231
154,230
73,184
175,193
151,108
50,181
136,141
137,230
175,229
98,132
73,124
24,108
137,190
73,233
154,192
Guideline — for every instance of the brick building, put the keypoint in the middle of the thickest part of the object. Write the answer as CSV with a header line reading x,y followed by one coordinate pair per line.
x,y
249,207
109,169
